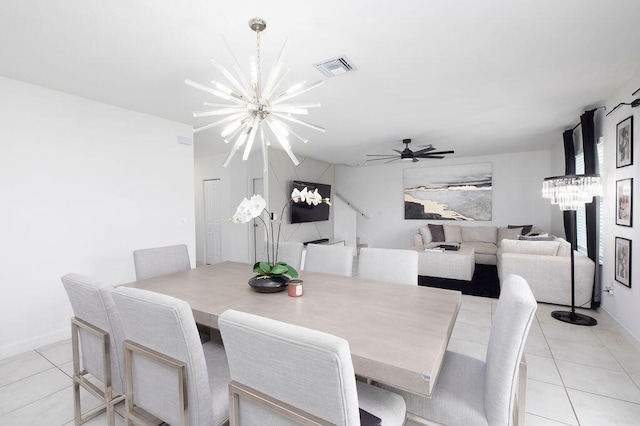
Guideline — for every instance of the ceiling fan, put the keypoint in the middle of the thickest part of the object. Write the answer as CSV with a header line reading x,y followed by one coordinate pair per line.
x,y
406,154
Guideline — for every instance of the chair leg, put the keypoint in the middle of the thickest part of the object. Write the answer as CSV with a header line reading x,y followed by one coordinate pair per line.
x,y
519,409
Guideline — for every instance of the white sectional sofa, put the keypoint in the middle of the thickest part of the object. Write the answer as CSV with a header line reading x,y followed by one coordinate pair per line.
x,y
546,266
484,239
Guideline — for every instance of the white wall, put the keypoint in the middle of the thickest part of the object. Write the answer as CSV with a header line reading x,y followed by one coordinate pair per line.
x,y
82,184
625,302
378,192
235,185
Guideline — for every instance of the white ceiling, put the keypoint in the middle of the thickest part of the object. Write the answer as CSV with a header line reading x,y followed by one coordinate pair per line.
x,y
479,77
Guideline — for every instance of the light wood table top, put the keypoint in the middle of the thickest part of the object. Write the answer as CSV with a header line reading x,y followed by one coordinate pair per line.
x,y
398,333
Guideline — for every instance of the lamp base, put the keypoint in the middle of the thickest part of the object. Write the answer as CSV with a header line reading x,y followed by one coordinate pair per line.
x,y
574,318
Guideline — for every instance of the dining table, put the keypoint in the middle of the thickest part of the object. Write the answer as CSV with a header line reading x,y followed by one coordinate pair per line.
x,y
397,333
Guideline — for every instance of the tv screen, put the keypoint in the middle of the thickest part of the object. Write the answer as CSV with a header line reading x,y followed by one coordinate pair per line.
x,y
303,212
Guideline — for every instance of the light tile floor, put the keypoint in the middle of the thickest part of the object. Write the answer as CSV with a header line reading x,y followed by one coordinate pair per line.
x,y
576,375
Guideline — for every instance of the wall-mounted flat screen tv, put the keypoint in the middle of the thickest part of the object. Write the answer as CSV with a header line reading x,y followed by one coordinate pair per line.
x,y
302,212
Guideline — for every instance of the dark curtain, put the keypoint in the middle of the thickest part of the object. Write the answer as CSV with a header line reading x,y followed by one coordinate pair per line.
x,y
590,164
591,209
569,216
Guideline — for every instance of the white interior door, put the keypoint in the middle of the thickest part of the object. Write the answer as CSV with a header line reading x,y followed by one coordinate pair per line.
x,y
213,226
259,236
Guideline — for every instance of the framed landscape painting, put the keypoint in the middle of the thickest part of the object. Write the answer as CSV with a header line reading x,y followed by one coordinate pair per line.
x,y
624,142
459,192
623,261
624,202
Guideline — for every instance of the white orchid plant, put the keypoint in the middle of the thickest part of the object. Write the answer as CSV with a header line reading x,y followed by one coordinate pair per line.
x,y
254,208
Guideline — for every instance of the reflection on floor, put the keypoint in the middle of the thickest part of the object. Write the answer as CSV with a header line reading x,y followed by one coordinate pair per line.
x,y
577,375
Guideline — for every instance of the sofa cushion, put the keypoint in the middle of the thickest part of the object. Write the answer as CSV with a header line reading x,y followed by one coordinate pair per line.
x,y
452,233
542,248
437,232
481,247
487,234
564,249
525,228
508,234
426,235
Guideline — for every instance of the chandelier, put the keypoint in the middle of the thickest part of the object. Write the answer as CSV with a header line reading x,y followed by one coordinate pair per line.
x,y
253,109
571,192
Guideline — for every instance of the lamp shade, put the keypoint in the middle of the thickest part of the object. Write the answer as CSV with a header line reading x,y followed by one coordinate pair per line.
x,y
571,192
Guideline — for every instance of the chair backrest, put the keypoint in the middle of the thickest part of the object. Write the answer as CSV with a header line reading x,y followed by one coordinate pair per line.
x,y
153,262
510,327
92,301
391,265
290,253
329,258
166,325
304,368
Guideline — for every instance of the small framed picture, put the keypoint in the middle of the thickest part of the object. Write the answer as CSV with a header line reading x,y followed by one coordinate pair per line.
x,y
623,261
624,202
624,143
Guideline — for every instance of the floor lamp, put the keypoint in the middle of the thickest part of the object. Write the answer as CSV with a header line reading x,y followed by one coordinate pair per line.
x,y
572,192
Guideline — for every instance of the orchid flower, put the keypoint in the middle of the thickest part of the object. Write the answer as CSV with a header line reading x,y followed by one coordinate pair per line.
x,y
253,208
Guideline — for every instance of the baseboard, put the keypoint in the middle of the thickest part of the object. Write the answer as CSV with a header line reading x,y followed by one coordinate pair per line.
x,y
35,342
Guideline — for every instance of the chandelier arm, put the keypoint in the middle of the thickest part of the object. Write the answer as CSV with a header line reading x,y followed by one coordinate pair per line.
x,y
273,75
237,68
291,131
214,92
231,79
289,93
283,142
278,83
215,105
219,122
232,129
236,146
198,114
252,136
302,122
264,140
309,105
227,91
289,110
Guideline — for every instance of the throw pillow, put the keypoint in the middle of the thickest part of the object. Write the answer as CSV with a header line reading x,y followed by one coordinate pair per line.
x,y
508,234
452,233
437,232
564,250
426,235
525,228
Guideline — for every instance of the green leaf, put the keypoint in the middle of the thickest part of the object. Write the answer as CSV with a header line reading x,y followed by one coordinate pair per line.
x,y
262,267
279,269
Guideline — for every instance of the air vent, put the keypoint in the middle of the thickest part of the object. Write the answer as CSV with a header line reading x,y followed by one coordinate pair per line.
x,y
335,66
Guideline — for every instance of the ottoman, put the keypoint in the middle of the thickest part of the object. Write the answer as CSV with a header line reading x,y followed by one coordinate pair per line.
x,y
454,264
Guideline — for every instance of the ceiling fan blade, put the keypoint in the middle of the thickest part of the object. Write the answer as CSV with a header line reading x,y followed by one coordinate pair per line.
x,y
433,156
383,158
398,151
381,155
391,161
425,155
422,151
414,160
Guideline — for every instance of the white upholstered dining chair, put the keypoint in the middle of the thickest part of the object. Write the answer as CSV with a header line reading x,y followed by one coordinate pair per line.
x,y
290,253
169,374
391,265
329,258
282,374
97,332
156,261
472,392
